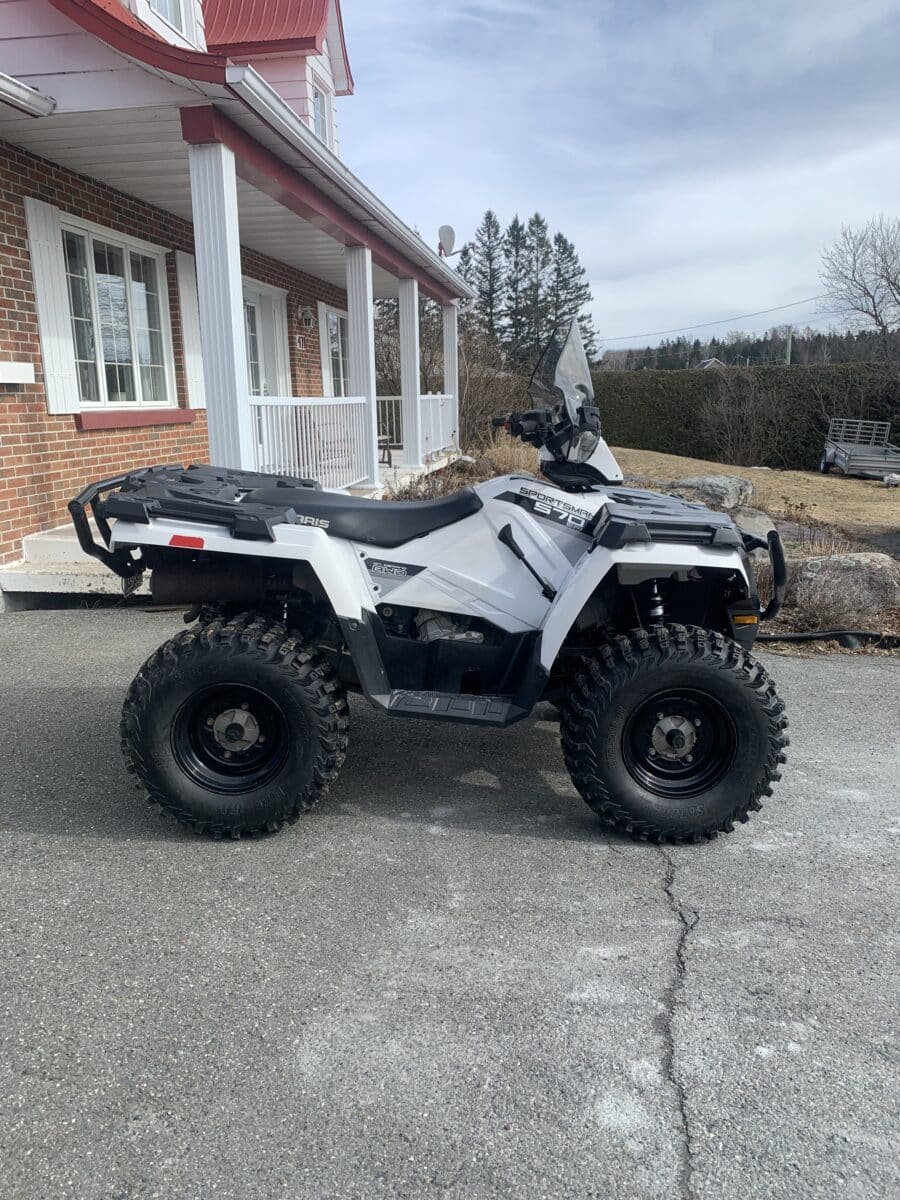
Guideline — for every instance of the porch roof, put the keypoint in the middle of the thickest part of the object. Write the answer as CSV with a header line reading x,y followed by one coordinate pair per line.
x,y
141,152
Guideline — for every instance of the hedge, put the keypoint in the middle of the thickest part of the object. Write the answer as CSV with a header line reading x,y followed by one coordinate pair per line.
x,y
783,411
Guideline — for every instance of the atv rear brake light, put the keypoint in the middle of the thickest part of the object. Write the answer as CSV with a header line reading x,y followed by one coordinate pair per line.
x,y
186,543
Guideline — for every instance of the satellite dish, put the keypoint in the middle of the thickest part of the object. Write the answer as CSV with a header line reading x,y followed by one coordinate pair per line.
x,y
446,240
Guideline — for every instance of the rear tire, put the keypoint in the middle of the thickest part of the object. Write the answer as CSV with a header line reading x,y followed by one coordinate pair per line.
x,y
673,734
234,727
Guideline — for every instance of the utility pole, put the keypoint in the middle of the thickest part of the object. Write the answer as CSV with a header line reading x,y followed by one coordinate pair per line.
x,y
788,345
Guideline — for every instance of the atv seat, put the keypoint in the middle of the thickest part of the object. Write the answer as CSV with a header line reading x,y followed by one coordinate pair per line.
x,y
378,522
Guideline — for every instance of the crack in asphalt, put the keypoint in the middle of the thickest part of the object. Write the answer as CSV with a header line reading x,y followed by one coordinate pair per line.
x,y
688,919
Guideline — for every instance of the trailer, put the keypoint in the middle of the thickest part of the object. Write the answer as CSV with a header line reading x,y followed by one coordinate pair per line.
x,y
860,448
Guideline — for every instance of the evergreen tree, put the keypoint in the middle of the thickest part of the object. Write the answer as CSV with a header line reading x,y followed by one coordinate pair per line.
x,y
570,292
514,263
538,273
488,273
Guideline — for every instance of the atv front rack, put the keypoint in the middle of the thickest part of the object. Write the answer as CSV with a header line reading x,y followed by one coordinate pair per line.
x,y
194,493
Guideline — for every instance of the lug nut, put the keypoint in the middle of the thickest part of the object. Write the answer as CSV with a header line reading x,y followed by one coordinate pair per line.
x,y
227,754
261,738
210,722
697,722
689,758
659,716
245,706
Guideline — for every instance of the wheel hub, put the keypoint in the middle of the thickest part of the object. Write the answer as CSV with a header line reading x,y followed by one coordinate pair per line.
x,y
674,737
236,729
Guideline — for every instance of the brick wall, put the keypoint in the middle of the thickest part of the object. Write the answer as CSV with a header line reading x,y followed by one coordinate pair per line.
x,y
44,459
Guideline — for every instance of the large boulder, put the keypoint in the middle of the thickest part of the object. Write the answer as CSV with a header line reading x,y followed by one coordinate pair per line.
x,y
864,583
755,521
722,491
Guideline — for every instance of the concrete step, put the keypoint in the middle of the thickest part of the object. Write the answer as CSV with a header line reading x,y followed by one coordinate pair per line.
x,y
24,584
59,545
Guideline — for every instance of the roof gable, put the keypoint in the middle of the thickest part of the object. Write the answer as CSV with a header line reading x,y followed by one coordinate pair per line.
x,y
248,29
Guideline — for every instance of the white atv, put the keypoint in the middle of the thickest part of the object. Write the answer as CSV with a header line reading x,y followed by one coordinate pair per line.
x,y
632,612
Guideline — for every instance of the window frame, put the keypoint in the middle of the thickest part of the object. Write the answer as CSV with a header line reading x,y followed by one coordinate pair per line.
x,y
318,85
127,244
188,37
326,311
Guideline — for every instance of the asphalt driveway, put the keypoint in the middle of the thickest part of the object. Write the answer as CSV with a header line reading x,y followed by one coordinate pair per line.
x,y
447,982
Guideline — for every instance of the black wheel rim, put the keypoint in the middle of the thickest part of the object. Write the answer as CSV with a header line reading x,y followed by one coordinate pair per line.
x,y
679,743
230,738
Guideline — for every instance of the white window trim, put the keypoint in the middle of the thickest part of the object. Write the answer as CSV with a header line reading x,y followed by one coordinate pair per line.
x,y
189,38
278,295
80,226
317,84
324,345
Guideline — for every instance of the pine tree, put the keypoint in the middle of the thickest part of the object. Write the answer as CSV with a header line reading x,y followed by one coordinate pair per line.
x,y
538,260
570,292
488,273
514,264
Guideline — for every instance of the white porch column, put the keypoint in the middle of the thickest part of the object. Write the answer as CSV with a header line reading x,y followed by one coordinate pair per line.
x,y
218,255
451,365
410,404
361,338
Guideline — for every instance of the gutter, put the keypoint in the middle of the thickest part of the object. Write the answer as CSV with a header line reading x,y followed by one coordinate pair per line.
x,y
26,99
253,91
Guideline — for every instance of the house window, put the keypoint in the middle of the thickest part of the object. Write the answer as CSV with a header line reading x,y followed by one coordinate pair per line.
x,y
119,322
320,114
338,353
170,10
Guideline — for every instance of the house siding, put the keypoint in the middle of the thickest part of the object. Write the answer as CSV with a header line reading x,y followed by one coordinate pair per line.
x,y
45,459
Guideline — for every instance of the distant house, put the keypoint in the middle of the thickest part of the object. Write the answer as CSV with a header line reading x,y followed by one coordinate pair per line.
x,y
187,268
705,363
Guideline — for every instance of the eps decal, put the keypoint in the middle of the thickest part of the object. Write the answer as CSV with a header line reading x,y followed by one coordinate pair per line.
x,y
391,570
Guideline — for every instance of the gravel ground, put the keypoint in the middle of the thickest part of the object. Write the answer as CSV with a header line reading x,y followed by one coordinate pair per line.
x,y
447,982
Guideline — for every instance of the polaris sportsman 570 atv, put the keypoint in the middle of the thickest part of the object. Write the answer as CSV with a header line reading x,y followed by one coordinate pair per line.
x,y
633,613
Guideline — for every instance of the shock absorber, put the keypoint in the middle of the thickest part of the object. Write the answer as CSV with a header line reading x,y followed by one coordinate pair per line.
x,y
657,608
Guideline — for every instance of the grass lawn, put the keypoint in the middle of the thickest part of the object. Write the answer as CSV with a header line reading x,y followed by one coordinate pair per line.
x,y
864,509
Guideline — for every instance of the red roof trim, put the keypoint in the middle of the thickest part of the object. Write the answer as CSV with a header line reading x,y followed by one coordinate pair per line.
x,y
263,169
299,45
114,24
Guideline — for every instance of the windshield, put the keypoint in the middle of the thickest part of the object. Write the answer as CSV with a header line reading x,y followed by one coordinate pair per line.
x,y
563,374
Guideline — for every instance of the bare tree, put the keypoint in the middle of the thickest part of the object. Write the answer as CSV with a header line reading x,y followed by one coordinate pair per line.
x,y
861,273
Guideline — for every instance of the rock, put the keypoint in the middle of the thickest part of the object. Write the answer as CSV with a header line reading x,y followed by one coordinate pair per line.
x,y
864,583
755,521
892,480
726,491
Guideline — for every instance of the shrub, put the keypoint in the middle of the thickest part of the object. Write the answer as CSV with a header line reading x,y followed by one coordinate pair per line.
x,y
755,416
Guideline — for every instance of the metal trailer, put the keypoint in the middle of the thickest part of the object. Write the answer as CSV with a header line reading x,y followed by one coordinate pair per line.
x,y
860,448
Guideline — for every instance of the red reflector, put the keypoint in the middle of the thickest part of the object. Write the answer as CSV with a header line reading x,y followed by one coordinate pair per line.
x,y
186,543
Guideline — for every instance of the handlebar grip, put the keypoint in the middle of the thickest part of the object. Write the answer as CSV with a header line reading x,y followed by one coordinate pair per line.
x,y
499,422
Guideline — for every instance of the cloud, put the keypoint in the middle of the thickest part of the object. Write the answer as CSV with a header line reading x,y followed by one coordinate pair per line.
x,y
700,155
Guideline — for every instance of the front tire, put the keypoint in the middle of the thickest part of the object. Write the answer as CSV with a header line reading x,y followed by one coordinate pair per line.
x,y
673,734
234,727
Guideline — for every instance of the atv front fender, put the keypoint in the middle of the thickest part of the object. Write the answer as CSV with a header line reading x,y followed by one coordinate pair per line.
x,y
644,560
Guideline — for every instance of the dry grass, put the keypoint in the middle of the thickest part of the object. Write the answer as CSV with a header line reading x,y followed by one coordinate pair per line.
x,y
861,509
502,455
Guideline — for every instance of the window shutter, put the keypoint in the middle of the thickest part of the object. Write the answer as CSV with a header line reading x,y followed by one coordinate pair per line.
x,y
189,303
325,350
48,270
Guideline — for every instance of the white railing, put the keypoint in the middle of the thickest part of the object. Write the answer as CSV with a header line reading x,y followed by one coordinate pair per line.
x,y
321,438
390,419
438,429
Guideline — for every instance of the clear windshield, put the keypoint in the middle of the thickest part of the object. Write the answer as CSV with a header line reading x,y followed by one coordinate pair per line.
x,y
563,374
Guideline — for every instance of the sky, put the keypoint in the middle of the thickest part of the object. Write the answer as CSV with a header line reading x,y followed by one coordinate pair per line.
x,y
701,154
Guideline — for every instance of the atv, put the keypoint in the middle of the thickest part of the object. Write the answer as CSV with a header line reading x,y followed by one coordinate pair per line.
x,y
633,613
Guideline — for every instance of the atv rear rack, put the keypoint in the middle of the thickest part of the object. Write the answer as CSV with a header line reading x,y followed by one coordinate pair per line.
x,y
195,493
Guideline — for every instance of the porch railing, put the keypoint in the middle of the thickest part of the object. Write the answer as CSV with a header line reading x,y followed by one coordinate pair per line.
x,y
390,420
323,438
438,432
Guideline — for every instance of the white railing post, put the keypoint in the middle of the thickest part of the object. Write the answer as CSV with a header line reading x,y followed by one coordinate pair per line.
x,y
410,403
218,253
451,369
361,338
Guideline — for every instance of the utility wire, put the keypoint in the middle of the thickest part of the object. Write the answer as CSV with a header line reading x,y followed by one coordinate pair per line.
x,y
625,337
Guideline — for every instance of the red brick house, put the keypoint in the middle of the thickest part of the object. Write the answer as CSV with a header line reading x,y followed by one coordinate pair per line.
x,y
187,269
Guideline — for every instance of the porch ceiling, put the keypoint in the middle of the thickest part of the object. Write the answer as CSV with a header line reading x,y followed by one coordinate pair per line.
x,y
141,152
